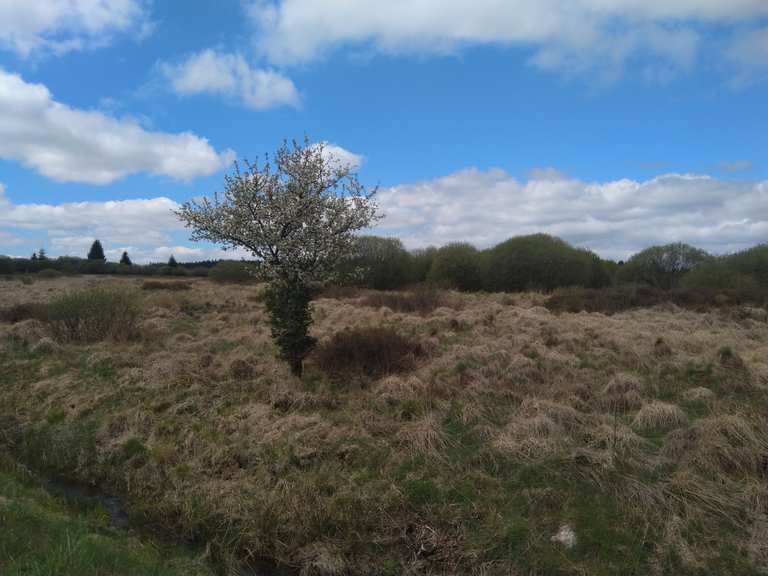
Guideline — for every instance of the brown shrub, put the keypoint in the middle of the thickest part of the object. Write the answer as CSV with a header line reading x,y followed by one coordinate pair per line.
x,y
19,312
627,297
340,292
420,301
370,352
160,285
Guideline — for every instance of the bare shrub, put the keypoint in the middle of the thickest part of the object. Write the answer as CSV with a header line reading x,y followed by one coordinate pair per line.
x,y
160,285
93,315
370,352
19,312
420,301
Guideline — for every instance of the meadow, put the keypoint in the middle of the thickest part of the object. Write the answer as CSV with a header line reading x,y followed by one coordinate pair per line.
x,y
431,432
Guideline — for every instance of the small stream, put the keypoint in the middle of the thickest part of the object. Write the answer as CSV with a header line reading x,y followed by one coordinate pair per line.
x,y
84,495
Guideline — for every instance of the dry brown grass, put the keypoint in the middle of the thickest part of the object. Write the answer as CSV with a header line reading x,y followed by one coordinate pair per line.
x,y
659,415
337,479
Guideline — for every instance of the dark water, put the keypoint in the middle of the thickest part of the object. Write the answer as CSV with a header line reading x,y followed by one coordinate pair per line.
x,y
86,496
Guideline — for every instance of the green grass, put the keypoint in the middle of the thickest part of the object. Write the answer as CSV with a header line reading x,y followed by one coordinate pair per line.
x,y
41,536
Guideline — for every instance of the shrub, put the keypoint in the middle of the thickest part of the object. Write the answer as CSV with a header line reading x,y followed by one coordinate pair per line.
x,y
231,272
173,286
19,312
93,315
369,352
378,263
49,274
663,266
456,266
537,262
421,301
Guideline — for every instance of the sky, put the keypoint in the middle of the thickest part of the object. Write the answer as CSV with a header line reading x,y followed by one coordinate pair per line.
x,y
614,124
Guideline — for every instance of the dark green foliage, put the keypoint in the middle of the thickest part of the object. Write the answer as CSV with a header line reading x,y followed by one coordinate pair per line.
x,y
378,263
96,252
230,271
290,317
125,260
370,352
93,315
663,266
6,265
172,262
421,263
539,262
456,266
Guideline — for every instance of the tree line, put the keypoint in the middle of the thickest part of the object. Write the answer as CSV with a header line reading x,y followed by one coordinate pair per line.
x,y
533,262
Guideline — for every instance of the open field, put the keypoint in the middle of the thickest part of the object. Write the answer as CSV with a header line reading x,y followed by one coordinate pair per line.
x,y
515,442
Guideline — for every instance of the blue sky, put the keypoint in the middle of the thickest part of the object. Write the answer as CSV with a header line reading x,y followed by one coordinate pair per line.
x,y
612,124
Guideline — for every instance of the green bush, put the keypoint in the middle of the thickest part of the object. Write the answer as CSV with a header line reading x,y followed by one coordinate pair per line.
x,y
456,266
231,272
93,315
539,262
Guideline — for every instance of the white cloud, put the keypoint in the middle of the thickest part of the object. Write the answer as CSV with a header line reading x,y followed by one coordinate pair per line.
x,y
230,75
571,35
71,145
58,26
337,155
613,218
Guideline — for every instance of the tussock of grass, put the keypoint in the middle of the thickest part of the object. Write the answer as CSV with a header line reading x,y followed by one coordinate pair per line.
x,y
659,415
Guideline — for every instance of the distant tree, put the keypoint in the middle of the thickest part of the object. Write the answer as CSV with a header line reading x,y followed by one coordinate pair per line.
x,y
172,262
378,263
34,257
456,266
298,218
125,260
41,254
663,266
96,252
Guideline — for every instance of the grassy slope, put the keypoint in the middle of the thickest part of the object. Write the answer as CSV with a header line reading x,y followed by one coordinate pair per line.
x,y
519,423
42,536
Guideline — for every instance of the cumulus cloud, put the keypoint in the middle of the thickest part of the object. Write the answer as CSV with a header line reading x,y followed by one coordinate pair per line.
x,y
334,154
71,145
230,75
614,218
147,228
59,26
571,35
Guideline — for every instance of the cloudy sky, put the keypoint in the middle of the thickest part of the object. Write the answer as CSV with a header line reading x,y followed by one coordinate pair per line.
x,y
614,124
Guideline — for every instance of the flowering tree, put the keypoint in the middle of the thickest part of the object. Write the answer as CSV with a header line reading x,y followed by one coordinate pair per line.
x,y
297,216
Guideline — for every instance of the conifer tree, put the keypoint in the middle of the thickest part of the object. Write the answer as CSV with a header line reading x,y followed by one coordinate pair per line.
x,y
125,260
172,262
96,252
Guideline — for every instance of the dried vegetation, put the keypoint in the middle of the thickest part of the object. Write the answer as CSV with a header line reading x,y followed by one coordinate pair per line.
x,y
492,424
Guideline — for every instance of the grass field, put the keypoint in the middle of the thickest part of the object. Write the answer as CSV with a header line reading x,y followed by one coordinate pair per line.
x,y
515,442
